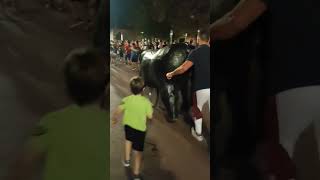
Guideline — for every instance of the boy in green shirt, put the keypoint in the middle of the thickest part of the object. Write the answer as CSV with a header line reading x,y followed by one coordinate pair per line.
x,y
136,109
75,140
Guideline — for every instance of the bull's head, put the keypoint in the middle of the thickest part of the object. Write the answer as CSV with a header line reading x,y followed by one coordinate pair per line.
x,y
171,98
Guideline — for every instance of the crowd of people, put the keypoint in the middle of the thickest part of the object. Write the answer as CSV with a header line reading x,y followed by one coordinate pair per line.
x,y
128,51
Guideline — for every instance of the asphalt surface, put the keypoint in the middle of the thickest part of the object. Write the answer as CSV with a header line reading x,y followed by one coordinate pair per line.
x,y
171,153
33,44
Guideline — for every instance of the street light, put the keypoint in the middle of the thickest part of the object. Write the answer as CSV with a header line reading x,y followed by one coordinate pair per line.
x,y
171,36
198,36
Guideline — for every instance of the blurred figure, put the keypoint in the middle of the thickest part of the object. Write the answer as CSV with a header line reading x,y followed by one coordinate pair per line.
x,y
127,48
92,7
165,44
191,44
134,55
292,73
74,140
10,5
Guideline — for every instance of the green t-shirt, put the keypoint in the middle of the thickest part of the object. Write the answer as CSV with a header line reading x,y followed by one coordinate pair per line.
x,y
136,109
76,143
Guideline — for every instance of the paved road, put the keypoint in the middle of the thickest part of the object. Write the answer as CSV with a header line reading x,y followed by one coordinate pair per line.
x,y
33,45
171,152
31,54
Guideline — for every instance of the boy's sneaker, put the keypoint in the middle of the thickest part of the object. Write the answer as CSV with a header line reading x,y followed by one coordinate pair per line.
x,y
126,163
199,137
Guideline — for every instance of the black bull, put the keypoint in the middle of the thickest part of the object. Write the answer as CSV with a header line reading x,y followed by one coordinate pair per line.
x,y
175,93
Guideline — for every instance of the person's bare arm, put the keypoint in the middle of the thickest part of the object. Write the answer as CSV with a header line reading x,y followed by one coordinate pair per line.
x,y
149,116
238,19
116,114
180,70
150,112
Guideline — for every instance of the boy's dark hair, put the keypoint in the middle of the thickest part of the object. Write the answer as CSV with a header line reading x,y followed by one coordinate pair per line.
x,y
204,34
86,75
136,85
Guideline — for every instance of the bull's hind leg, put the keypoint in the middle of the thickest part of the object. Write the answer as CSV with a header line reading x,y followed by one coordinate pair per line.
x,y
186,105
157,99
152,94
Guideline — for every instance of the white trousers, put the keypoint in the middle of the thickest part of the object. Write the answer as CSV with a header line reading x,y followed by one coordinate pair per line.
x,y
203,96
297,109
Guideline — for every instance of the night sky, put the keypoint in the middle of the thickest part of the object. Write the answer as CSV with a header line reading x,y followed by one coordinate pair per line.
x,y
157,17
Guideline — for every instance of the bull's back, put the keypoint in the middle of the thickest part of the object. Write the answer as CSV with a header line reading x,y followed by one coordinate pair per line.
x,y
155,64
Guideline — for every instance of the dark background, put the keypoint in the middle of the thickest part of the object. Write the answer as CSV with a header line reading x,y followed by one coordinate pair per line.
x,y
156,18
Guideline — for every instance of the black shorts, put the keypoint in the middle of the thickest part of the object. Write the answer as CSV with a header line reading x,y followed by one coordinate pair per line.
x,y
136,137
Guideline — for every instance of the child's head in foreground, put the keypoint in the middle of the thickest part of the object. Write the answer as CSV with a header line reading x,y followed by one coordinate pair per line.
x,y
136,85
86,75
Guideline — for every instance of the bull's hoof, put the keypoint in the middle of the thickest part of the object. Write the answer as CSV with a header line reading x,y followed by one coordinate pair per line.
x,y
173,120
